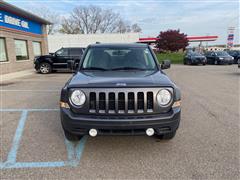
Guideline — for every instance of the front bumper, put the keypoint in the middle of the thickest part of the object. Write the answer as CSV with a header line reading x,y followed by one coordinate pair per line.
x,y
225,61
199,61
36,65
120,125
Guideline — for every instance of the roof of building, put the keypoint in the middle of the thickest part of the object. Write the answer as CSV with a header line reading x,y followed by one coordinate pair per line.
x,y
149,39
190,38
20,12
115,45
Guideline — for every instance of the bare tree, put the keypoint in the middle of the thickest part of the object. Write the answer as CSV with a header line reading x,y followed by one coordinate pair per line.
x,y
136,28
69,27
86,19
110,21
93,19
49,15
122,27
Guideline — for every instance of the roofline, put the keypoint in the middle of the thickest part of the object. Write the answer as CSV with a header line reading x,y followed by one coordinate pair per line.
x,y
202,37
190,38
20,12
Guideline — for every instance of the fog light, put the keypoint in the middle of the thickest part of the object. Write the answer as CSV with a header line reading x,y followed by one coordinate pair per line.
x,y
150,131
93,132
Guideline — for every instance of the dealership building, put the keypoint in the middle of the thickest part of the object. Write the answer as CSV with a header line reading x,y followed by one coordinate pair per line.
x,y
22,37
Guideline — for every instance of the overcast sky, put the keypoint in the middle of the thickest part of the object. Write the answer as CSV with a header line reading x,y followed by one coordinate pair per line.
x,y
193,17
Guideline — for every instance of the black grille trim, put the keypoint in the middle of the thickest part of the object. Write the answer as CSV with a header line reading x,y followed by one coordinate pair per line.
x,y
121,102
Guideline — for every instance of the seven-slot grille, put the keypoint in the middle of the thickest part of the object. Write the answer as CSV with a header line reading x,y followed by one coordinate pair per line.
x,y
121,102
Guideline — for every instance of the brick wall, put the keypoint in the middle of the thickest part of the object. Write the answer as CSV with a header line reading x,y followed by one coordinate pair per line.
x,y
12,65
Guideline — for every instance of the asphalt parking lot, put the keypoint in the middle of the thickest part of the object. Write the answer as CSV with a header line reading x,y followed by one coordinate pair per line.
x,y
206,145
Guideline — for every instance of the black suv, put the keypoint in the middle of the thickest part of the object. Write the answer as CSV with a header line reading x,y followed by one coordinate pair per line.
x,y
62,59
193,57
235,54
218,57
120,89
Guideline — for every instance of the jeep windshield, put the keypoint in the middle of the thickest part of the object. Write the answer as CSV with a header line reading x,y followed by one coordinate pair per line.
x,y
119,59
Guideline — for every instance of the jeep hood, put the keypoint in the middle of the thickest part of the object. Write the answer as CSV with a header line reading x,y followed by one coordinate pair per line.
x,y
119,79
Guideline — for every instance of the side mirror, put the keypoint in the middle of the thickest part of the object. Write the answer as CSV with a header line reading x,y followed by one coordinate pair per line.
x,y
166,64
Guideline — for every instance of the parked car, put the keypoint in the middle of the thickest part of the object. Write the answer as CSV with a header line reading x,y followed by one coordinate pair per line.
x,y
62,59
219,57
120,89
235,54
238,63
194,58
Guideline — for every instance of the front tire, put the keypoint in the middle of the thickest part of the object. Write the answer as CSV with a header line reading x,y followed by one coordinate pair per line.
x,y
167,136
71,137
45,68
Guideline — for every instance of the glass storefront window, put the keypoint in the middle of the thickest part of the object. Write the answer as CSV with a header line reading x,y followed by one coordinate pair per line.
x,y
37,48
3,53
21,50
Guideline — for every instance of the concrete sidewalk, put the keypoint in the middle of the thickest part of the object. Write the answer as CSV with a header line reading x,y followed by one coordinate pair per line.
x,y
10,76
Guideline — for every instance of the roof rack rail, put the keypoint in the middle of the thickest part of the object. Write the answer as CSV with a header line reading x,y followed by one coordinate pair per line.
x,y
98,42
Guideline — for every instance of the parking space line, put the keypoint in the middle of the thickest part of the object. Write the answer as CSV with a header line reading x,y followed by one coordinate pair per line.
x,y
36,164
29,110
27,90
74,151
80,147
17,138
70,149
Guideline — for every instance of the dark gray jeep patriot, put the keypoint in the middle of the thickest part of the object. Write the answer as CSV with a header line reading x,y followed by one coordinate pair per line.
x,y
120,89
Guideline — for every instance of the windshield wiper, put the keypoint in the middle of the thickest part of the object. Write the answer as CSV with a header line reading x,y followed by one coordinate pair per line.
x,y
94,68
129,68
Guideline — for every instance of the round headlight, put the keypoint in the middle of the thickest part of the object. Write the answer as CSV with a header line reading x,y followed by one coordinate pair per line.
x,y
78,98
164,97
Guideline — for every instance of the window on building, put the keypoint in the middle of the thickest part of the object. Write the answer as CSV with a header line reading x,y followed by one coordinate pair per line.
x,y
3,53
21,50
37,49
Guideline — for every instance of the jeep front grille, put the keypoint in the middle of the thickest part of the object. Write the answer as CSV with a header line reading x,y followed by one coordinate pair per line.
x,y
121,102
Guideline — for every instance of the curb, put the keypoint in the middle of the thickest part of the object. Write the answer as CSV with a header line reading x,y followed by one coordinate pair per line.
x,y
10,76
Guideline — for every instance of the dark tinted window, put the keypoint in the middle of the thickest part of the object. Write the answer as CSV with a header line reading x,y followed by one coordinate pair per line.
x,y
208,53
62,52
195,54
75,52
221,53
233,53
